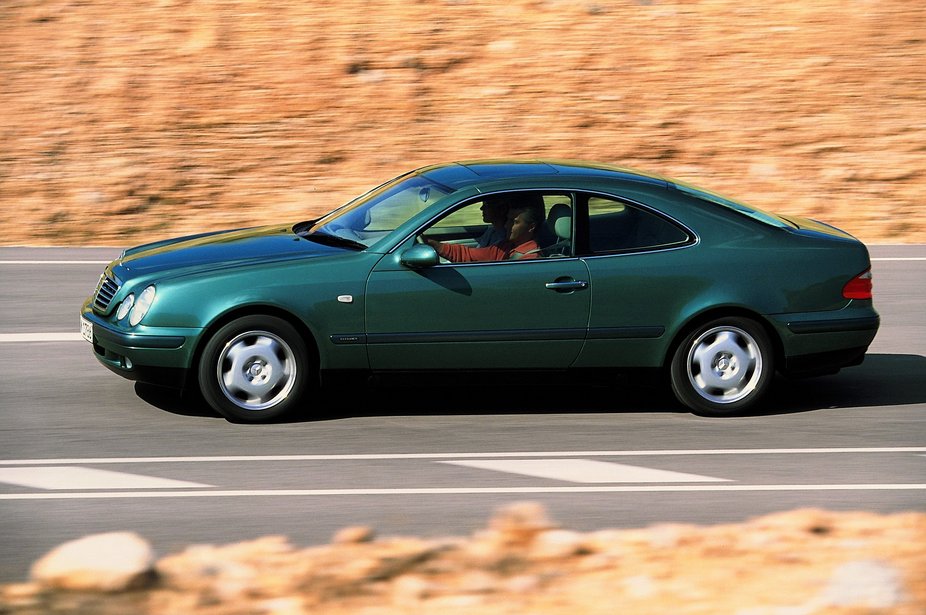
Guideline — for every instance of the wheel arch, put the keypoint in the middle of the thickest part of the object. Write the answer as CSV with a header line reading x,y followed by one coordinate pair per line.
x,y
715,313
257,310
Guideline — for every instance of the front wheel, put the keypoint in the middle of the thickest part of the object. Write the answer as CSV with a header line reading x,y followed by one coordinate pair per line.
x,y
722,367
254,369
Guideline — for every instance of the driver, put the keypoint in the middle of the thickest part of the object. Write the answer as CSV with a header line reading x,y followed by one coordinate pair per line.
x,y
522,226
495,213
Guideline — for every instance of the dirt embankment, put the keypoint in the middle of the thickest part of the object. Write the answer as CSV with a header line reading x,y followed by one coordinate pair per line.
x,y
125,122
806,562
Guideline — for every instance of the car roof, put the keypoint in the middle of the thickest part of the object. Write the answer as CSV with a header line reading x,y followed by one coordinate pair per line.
x,y
472,172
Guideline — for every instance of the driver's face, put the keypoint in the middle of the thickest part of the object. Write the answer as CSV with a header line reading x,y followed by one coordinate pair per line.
x,y
493,212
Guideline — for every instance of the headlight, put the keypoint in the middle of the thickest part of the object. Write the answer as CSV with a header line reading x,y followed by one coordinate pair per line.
x,y
142,304
125,306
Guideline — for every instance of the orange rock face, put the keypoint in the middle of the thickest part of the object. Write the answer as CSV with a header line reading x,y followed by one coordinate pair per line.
x,y
125,122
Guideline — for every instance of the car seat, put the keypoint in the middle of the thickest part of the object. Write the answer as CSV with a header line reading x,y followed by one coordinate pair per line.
x,y
559,223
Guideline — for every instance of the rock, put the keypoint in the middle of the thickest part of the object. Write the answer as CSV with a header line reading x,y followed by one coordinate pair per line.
x,y
522,584
640,586
110,562
519,523
477,582
864,584
292,605
354,535
20,594
554,544
409,590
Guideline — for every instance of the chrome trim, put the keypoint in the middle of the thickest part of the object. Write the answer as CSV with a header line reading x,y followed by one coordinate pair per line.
x,y
571,285
106,290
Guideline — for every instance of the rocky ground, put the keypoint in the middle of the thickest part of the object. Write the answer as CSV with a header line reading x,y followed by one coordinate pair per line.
x,y
130,121
804,562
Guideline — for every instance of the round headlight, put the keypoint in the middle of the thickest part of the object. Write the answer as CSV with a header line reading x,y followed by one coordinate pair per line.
x,y
125,306
142,304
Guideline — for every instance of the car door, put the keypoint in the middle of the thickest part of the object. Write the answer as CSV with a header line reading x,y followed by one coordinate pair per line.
x,y
476,315
529,314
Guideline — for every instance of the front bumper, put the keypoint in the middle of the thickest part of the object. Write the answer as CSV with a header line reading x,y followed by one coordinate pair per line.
x,y
156,355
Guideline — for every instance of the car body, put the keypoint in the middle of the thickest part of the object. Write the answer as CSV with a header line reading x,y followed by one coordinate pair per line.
x,y
634,270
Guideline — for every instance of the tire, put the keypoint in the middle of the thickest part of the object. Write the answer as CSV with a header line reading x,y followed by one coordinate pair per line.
x,y
254,369
723,367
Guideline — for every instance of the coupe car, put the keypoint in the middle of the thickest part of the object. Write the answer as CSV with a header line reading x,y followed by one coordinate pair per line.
x,y
488,267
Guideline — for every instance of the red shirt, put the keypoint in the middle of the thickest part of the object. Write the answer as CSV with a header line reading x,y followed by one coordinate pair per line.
x,y
505,251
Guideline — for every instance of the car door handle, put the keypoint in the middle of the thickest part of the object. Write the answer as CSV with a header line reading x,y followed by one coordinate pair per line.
x,y
567,285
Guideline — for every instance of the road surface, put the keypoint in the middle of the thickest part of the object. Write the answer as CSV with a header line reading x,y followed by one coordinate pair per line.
x,y
84,451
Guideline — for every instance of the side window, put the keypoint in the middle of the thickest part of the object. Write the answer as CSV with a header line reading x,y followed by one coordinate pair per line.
x,y
615,226
468,216
506,226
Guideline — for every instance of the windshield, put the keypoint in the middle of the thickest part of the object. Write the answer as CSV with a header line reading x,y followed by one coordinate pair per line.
x,y
752,212
372,216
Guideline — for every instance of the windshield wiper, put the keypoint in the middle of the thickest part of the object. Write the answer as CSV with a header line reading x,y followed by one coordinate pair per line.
x,y
334,240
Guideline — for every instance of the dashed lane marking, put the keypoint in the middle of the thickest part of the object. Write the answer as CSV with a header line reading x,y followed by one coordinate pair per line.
x,y
73,478
462,455
583,471
41,262
460,491
14,338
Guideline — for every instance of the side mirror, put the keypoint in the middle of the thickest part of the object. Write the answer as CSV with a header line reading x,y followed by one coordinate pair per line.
x,y
420,256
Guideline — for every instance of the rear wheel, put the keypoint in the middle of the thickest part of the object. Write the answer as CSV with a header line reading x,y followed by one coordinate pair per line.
x,y
254,369
722,367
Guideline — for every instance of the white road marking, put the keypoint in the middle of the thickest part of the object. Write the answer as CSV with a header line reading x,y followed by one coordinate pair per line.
x,y
55,474
526,454
70,478
459,491
14,338
899,259
584,471
54,262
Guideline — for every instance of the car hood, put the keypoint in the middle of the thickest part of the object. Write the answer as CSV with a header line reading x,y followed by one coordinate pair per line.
x,y
219,250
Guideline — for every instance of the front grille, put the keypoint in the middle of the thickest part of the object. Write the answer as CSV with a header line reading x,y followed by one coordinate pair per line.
x,y
105,293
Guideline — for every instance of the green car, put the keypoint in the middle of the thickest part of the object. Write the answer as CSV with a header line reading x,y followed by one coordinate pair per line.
x,y
540,266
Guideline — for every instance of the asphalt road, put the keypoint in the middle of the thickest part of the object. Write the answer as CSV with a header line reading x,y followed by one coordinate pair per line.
x,y
83,451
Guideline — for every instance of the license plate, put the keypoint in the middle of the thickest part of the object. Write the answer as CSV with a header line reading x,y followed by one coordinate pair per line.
x,y
86,329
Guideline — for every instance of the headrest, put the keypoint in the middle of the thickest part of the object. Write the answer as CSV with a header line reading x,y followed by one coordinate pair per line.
x,y
560,220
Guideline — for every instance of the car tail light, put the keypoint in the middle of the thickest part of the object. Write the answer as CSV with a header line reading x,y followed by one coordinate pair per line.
x,y
858,287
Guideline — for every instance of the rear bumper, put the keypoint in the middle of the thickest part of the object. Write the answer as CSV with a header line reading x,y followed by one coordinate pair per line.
x,y
836,325
819,343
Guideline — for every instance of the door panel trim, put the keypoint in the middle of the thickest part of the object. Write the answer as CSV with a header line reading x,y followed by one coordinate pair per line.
x,y
504,335
621,333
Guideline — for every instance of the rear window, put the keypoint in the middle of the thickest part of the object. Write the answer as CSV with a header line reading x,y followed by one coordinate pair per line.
x,y
615,226
753,212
